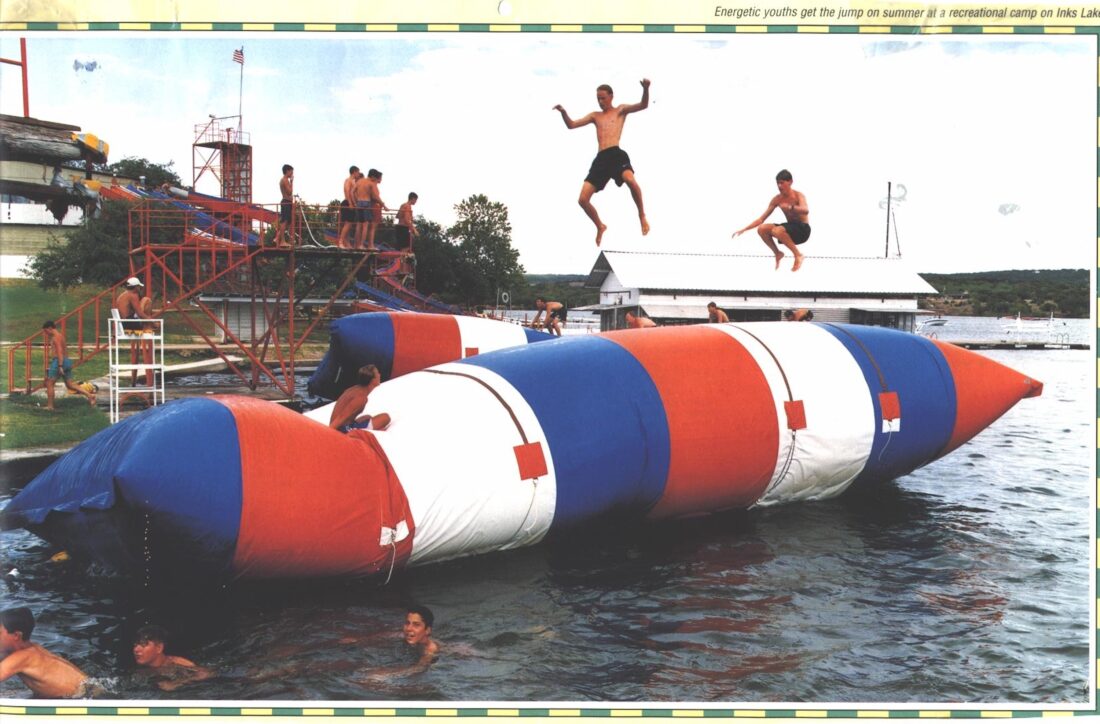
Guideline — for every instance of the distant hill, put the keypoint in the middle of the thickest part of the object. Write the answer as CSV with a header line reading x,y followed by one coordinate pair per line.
x,y
1030,292
566,288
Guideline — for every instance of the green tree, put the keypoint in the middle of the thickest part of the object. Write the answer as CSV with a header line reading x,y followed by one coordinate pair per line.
x,y
487,261
155,173
436,261
94,253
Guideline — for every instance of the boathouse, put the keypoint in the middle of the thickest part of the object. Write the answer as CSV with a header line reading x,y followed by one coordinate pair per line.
x,y
675,288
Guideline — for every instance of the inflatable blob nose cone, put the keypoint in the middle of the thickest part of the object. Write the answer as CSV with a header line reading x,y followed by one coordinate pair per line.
x,y
168,475
222,487
984,391
1036,388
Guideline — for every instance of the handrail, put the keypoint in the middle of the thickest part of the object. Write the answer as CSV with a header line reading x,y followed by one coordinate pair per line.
x,y
85,350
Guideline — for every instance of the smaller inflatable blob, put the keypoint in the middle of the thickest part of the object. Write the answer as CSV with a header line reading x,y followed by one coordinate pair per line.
x,y
500,449
402,342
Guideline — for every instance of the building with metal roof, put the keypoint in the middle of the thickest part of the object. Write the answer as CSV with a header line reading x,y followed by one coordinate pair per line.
x,y
674,288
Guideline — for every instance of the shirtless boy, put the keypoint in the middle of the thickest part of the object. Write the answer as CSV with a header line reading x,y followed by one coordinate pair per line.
x,y
59,365
47,675
611,162
131,305
346,412
635,322
286,203
172,672
405,230
348,214
797,229
417,635
555,315
370,205
716,315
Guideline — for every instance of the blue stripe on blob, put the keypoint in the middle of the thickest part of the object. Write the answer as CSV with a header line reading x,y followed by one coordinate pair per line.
x,y
604,422
178,464
911,366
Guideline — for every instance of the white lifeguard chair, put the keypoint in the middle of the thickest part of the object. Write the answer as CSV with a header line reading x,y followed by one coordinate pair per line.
x,y
149,380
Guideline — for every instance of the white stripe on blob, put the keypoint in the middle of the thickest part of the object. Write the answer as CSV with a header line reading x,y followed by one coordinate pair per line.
x,y
451,443
488,334
821,460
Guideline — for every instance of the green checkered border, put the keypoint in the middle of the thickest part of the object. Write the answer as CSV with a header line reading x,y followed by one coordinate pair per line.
x,y
588,712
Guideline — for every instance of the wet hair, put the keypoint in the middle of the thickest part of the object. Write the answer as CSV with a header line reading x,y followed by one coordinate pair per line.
x,y
49,324
712,304
366,374
413,196
605,87
423,611
784,175
151,633
353,169
374,174
21,621
287,167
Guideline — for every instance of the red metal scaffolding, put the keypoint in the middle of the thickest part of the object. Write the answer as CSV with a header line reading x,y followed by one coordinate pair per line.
x,y
225,152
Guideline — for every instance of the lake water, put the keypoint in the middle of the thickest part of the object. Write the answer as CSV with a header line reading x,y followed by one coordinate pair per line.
x,y
966,582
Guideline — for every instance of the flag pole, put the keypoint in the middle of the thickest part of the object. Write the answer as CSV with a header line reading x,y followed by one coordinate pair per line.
x,y
240,96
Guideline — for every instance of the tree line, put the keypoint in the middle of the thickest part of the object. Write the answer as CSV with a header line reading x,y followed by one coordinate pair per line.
x,y
1030,292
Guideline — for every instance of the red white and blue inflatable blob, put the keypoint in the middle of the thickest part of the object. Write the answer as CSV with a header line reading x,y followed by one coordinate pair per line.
x,y
497,450
402,342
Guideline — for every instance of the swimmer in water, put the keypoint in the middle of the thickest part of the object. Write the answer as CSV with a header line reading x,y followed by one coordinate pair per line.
x,y
47,675
171,672
417,635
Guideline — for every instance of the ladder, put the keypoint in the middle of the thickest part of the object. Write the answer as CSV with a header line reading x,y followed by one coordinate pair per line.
x,y
143,345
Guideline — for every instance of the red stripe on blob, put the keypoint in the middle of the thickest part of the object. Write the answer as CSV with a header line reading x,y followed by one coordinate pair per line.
x,y
315,506
423,340
984,390
724,437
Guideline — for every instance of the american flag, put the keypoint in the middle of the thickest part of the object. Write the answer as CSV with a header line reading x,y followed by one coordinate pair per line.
x,y
238,56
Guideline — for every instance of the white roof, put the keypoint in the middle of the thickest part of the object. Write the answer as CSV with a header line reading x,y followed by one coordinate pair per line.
x,y
853,276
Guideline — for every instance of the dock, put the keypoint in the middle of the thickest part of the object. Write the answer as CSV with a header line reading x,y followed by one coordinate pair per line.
x,y
1014,344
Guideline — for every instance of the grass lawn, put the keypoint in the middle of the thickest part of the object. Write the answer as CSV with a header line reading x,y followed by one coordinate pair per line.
x,y
25,421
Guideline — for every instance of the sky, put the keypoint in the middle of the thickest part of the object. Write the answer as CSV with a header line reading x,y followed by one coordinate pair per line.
x,y
989,141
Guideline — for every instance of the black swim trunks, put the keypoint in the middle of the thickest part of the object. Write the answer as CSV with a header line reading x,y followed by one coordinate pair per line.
x,y
559,313
798,231
284,210
347,214
609,163
401,237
